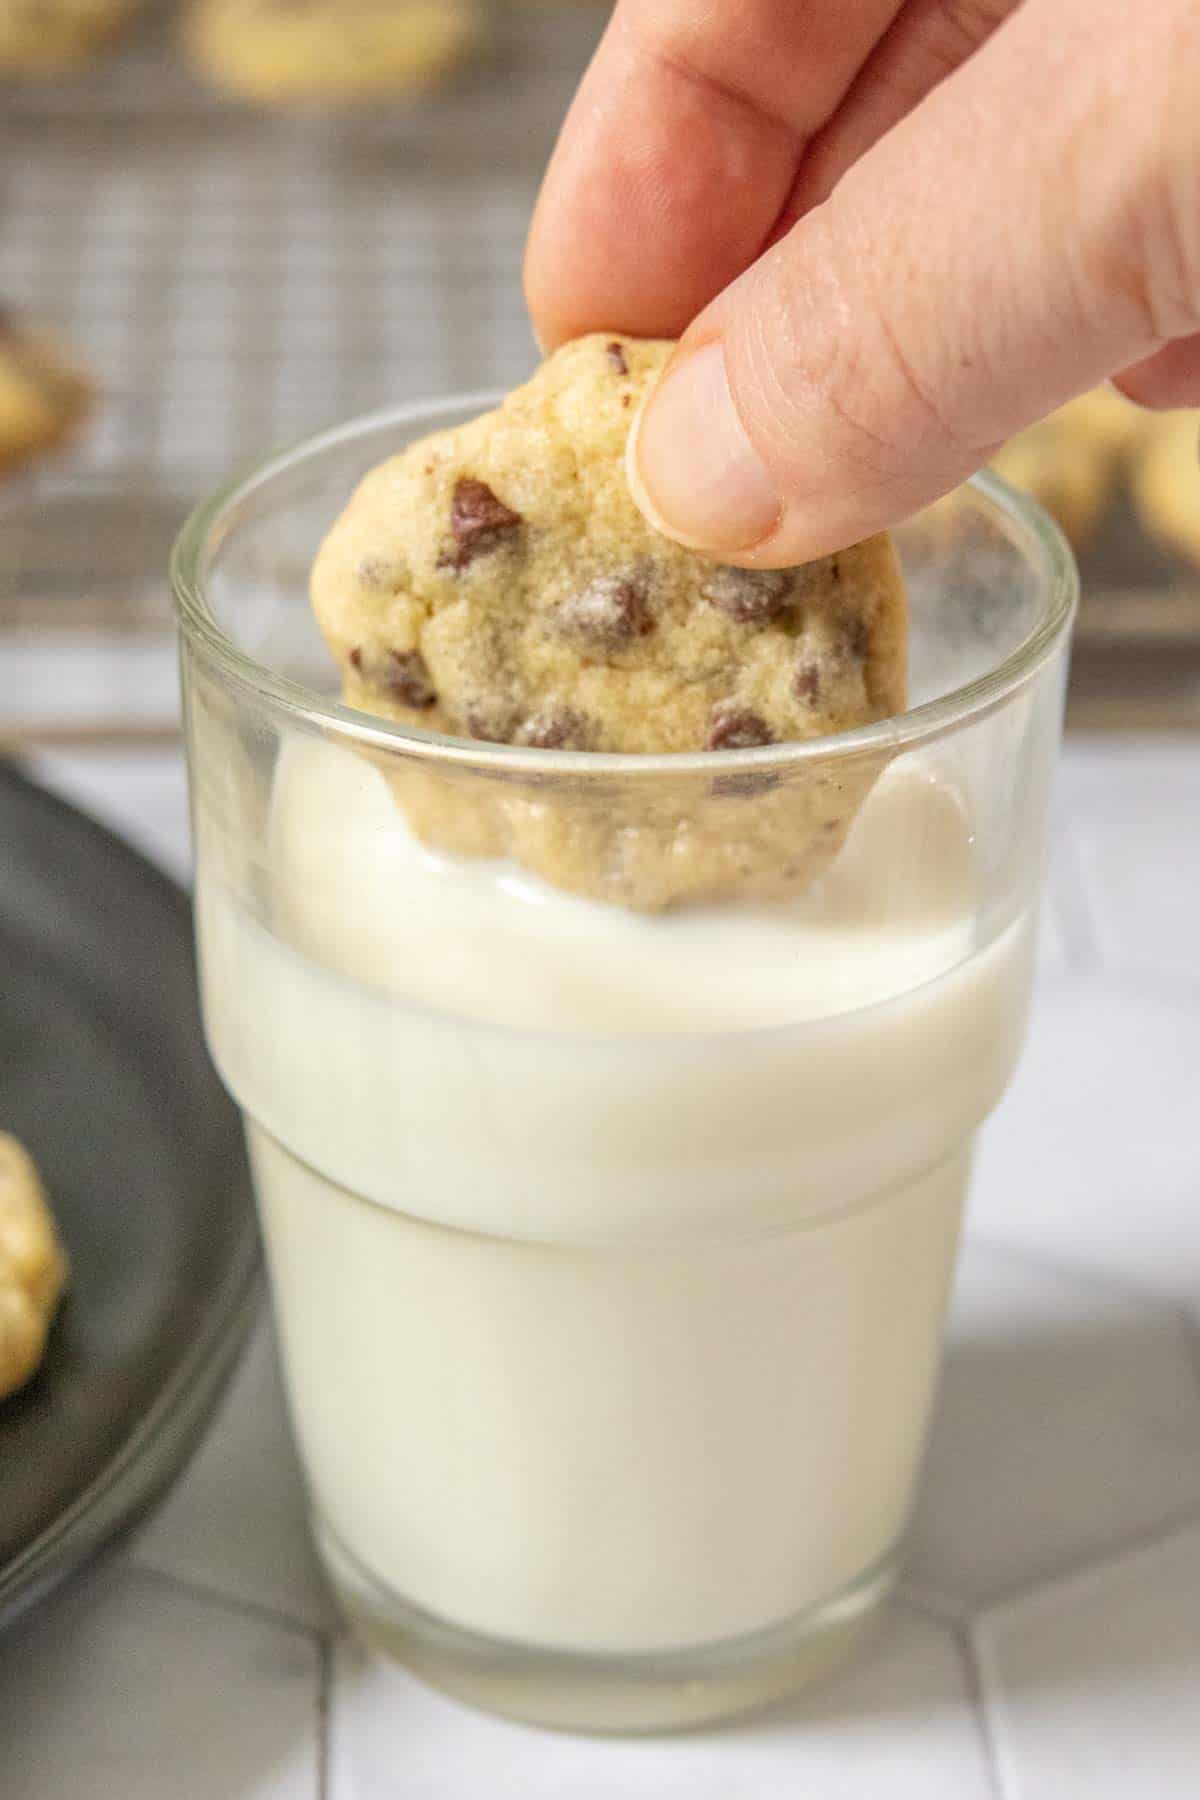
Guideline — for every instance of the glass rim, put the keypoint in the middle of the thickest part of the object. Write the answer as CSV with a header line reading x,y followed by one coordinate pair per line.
x,y
1033,532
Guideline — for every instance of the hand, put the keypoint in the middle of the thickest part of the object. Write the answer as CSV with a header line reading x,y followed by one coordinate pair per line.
x,y
892,233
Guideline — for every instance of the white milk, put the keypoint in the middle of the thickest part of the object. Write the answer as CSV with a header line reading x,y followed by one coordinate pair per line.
x,y
609,1252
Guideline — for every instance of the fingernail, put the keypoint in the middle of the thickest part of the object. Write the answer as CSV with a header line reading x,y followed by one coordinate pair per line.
x,y
691,467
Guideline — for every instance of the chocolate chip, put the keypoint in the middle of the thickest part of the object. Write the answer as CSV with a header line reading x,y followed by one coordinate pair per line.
x,y
404,674
564,729
733,727
749,596
854,640
609,611
478,522
489,725
407,679
615,353
807,685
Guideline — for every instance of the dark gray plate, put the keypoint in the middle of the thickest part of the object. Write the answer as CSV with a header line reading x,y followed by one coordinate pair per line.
x,y
104,1075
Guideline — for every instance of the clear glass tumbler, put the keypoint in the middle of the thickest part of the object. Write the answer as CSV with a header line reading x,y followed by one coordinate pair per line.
x,y
610,1249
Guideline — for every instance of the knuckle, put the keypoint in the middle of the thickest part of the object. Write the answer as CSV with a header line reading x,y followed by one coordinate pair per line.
x,y
1171,243
1173,276
1149,253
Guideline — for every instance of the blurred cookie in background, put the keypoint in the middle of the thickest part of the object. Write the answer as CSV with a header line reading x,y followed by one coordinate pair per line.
x,y
1072,462
1166,481
40,37
33,1266
43,396
284,51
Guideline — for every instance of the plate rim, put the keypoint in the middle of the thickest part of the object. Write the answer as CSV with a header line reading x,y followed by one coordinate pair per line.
x,y
142,1468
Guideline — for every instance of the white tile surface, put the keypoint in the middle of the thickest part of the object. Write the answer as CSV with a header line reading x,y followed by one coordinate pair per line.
x,y
1053,949
236,1523
1070,1422
1093,1158
1068,1426
1094,1683
898,1723
1134,809
133,1690
140,793
97,676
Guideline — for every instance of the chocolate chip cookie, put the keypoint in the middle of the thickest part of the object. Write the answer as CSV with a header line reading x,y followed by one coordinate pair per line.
x,y
1166,481
497,582
33,1267
1072,462
280,51
42,397
40,36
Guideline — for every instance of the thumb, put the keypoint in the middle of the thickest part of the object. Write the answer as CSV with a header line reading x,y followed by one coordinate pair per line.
x,y
1030,229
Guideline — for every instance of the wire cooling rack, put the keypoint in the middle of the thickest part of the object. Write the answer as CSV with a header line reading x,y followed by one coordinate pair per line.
x,y
237,278
233,279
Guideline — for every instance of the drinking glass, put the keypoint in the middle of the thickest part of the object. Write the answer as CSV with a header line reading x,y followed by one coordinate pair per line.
x,y
610,1249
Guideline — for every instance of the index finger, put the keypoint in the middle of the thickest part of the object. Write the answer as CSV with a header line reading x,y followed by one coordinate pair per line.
x,y
679,153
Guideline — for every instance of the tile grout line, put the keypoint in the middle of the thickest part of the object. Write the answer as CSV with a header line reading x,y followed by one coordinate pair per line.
x,y
928,1603
958,1615
964,1637
324,1717
1083,1568
961,1630
1191,1338
991,1701
209,1595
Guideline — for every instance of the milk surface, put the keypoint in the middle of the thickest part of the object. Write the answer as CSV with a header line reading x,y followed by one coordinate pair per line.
x,y
610,1252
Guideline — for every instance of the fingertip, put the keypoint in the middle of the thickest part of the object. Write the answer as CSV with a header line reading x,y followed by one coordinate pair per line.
x,y
642,497
781,535
539,298
694,472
